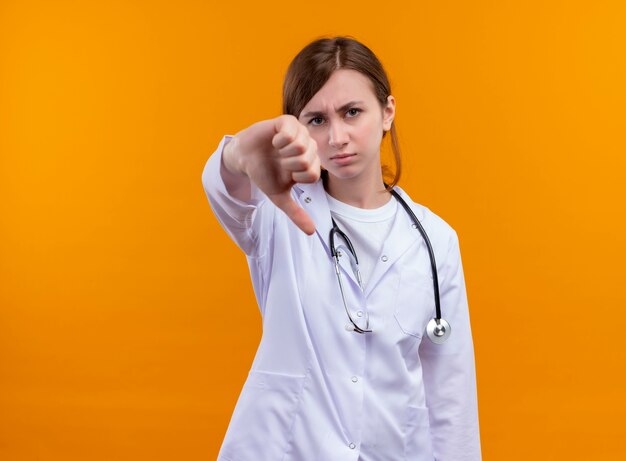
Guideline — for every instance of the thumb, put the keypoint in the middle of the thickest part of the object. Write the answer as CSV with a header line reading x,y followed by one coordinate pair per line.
x,y
296,213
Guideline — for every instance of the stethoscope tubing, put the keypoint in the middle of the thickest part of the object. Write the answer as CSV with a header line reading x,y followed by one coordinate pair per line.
x,y
438,329
431,253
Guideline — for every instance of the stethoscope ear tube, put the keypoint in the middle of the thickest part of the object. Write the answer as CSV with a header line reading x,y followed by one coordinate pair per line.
x,y
345,238
335,256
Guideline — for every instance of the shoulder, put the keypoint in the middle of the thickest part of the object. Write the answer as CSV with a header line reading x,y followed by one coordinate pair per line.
x,y
440,233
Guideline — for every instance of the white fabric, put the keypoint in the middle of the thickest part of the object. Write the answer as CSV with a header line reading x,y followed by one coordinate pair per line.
x,y
317,392
367,229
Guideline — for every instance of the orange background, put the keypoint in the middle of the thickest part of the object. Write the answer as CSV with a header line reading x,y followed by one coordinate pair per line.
x,y
127,318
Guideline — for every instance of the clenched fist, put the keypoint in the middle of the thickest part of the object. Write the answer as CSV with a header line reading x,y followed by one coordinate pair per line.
x,y
273,154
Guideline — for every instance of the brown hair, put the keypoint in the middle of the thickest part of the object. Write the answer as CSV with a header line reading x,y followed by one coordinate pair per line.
x,y
313,66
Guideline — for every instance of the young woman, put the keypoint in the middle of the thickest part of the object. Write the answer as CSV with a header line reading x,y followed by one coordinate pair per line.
x,y
356,361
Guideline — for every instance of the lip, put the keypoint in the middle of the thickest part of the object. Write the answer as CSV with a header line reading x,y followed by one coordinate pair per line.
x,y
342,159
343,155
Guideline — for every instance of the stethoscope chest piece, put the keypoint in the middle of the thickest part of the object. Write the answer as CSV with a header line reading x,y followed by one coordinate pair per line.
x,y
438,330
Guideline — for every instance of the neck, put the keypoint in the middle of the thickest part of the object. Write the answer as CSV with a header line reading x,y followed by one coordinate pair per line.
x,y
361,192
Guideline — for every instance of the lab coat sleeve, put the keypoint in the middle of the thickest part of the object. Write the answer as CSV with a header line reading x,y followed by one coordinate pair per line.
x,y
243,221
449,370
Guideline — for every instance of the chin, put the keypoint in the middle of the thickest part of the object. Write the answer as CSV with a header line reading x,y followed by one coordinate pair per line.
x,y
343,173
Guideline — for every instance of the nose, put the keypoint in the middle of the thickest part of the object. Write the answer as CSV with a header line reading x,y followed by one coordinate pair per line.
x,y
338,135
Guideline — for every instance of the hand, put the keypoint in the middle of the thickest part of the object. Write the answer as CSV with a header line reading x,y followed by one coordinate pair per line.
x,y
276,154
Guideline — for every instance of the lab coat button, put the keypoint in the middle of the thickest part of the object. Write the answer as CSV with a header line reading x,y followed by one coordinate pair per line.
x,y
354,379
359,314
352,446
307,199
384,258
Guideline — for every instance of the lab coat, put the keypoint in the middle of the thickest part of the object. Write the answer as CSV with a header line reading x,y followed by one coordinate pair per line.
x,y
318,392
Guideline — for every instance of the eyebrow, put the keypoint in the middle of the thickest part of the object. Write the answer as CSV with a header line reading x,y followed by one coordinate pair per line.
x,y
341,109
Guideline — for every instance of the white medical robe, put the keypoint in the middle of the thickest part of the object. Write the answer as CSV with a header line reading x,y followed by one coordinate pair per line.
x,y
317,392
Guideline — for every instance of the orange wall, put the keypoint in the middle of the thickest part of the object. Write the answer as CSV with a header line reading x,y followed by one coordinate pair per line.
x,y
127,319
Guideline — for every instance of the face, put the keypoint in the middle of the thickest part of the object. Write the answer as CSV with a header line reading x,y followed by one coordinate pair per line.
x,y
347,122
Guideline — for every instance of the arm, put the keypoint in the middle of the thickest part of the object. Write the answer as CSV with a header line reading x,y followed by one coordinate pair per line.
x,y
236,211
233,173
449,371
271,156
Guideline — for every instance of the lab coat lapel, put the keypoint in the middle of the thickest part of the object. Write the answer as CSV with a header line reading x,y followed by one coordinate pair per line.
x,y
312,197
398,243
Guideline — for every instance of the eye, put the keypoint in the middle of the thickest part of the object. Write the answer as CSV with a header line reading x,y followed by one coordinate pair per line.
x,y
353,112
316,121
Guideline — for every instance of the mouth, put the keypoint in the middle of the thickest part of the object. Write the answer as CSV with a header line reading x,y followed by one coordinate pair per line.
x,y
340,156
342,159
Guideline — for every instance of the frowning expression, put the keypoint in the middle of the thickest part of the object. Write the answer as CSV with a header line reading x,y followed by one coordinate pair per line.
x,y
347,122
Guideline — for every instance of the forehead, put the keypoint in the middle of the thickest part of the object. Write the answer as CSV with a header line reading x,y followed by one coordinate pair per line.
x,y
343,85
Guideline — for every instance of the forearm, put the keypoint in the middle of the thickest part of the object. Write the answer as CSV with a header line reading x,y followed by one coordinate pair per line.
x,y
232,172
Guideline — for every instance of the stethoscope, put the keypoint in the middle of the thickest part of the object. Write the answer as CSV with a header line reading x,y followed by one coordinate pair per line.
x,y
437,330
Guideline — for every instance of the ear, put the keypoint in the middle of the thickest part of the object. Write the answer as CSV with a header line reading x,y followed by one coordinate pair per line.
x,y
389,112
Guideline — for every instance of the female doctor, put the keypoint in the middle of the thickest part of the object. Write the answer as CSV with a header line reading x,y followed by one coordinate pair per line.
x,y
349,366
